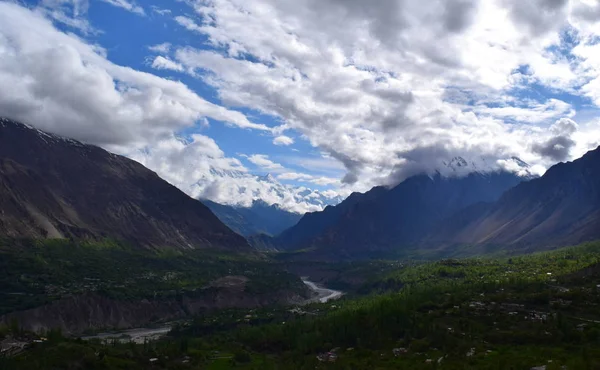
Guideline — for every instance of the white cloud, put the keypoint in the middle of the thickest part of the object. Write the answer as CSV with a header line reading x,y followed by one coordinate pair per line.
x,y
369,83
66,86
127,5
163,48
532,113
79,23
303,177
283,140
161,62
263,161
294,176
160,11
188,23
322,163
201,169
71,13
383,89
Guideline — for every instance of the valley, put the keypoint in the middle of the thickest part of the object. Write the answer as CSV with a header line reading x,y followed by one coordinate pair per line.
x,y
486,270
481,313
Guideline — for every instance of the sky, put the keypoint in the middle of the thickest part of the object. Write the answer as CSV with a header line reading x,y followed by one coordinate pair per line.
x,y
301,102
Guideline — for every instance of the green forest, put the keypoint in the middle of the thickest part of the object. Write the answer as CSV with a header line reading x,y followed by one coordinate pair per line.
x,y
34,272
517,312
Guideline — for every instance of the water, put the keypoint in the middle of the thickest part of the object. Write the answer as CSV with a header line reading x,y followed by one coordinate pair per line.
x,y
137,335
324,294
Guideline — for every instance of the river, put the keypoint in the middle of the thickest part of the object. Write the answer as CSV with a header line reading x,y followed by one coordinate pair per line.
x,y
137,335
324,294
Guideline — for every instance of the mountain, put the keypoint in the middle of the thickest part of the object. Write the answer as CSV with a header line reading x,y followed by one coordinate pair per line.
x,y
244,187
459,166
52,187
260,218
383,220
561,207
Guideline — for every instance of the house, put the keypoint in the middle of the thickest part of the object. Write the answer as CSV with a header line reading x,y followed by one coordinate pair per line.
x,y
399,351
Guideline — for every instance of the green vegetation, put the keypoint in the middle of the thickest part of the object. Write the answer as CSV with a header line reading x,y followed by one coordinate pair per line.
x,y
36,272
504,313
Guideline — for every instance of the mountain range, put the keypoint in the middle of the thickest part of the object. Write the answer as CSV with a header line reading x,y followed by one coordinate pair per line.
x,y
384,219
260,218
291,198
562,207
52,187
499,210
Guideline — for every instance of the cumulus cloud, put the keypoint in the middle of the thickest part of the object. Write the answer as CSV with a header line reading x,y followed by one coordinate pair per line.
x,y
200,168
303,177
283,140
163,48
381,89
368,83
64,85
187,23
263,161
538,16
294,176
558,147
161,62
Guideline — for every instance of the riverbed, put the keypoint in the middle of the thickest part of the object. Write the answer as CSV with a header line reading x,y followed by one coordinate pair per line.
x,y
139,335
323,294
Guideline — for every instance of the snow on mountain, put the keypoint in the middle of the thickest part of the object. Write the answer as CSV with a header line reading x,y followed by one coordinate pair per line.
x,y
242,189
459,166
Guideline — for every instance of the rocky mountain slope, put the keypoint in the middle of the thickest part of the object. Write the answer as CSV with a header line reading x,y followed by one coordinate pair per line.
x,y
562,207
76,314
52,187
260,218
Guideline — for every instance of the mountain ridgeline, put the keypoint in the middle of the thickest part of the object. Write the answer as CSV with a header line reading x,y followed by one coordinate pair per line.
x,y
442,215
260,218
560,208
52,187
383,219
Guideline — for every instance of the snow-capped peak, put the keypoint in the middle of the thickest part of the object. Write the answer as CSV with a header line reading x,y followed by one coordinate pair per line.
x,y
459,166
268,178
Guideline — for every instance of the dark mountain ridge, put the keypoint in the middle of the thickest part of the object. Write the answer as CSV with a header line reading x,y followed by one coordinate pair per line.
x,y
260,218
52,187
561,207
384,219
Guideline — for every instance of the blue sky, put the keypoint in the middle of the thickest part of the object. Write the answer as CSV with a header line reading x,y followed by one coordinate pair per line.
x,y
126,37
329,97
